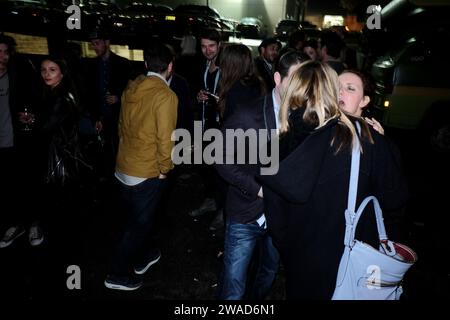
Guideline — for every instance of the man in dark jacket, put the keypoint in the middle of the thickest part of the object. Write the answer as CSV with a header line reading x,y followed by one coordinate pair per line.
x,y
330,48
185,118
110,74
210,43
265,63
246,224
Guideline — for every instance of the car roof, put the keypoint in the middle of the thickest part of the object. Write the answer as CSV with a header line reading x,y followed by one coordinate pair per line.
x,y
250,19
288,22
197,8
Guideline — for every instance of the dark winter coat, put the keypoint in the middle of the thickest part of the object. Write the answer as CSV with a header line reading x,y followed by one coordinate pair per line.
x,y
120,74
242,203
57,125
305,203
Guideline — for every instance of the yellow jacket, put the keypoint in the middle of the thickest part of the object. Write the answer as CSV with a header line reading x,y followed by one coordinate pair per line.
x,y
147,119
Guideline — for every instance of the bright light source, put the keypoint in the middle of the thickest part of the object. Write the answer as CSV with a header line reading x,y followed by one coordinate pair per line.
x,y
330,21
247,42
386,103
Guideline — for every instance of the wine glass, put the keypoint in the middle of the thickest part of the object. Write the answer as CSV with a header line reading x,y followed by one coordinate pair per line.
x,y
27,118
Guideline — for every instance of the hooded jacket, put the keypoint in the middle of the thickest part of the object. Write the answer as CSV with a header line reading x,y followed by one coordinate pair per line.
x,y
147,120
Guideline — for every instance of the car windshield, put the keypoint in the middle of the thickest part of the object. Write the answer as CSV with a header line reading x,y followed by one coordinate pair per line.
x,y
250,21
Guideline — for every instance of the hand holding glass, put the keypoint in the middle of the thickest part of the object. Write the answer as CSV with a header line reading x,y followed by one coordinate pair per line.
x,y
27,119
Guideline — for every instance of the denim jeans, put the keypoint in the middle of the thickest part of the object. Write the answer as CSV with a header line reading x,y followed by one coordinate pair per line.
x,y
136,243
240,244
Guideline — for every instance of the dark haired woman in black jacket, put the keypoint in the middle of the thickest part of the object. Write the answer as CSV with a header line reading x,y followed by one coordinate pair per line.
x,y
56,129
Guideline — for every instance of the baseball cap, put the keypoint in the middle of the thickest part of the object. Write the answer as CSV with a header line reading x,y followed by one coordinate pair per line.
x,y
99,34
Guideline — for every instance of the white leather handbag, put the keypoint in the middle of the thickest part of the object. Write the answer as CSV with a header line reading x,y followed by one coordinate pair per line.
x,y
366,273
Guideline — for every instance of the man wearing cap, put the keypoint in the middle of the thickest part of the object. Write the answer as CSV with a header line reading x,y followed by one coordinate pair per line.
x,y
268,55
109,76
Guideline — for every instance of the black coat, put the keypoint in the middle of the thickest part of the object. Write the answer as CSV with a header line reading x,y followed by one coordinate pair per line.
x,y
57,133
242,203
120,74
305,203
242,93
185,114
265,73
298,132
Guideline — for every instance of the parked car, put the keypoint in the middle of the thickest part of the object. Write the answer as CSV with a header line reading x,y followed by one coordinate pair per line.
x,y
28,16
149,18
198,10
285,27
412,85
197,17
253,28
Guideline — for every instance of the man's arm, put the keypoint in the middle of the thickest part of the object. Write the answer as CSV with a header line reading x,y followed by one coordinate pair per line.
x,y
166,120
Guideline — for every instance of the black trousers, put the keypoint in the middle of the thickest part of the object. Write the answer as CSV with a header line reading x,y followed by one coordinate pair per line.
x,y
137,240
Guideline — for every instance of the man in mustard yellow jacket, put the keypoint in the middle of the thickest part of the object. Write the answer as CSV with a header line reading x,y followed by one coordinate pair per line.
x,y
147,120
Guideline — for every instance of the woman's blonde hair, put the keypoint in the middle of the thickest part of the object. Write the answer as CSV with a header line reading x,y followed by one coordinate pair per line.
x,y
315,87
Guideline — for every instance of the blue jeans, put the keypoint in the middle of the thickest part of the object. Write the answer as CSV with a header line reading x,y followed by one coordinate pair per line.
x,y
136,243
240,243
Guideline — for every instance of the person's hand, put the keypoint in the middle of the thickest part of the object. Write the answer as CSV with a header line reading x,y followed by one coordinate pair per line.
x,y
162,176
260,193
202,96
98,126
111,99
375,125
26,117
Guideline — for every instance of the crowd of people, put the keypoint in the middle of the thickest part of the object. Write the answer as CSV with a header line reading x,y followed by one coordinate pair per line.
x,y
105,121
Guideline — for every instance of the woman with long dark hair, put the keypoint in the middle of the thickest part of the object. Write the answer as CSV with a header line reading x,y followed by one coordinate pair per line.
x,y
56,125
239,82
59,116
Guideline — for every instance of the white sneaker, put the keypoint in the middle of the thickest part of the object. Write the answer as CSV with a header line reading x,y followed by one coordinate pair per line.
x,y
10,235
35,236
208,205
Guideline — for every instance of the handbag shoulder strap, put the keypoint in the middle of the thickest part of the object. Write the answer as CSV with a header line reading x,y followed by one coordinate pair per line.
x,y
378,214
352,193
352,217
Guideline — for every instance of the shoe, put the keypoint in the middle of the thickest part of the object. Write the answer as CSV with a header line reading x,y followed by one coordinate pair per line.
x,y
123,283
35,236
10,235
154,259
217,223
207,205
